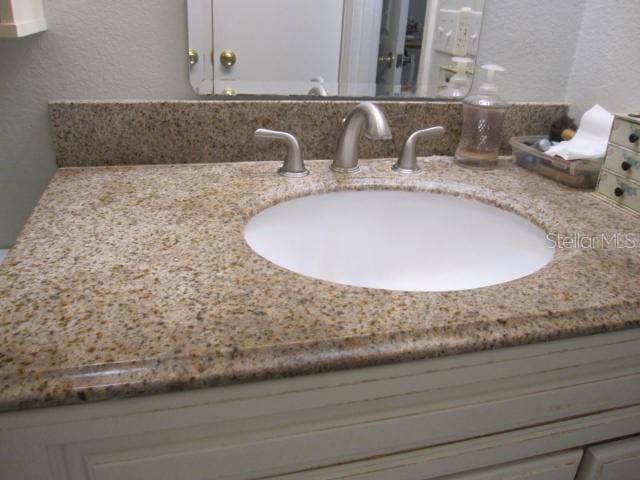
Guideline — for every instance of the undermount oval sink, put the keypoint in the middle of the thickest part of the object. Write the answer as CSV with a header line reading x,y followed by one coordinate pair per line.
x,y
399,240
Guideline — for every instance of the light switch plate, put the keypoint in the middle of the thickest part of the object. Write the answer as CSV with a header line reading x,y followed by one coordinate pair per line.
x,y
458,32
446,27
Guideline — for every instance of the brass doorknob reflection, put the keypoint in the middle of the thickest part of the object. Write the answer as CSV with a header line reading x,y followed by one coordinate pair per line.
x,y
228,58
388,60
391,60
193,56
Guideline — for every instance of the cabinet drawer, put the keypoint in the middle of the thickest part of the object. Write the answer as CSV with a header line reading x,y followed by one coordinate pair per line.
x,y
626,134
558,466
619,190
612,461
623,162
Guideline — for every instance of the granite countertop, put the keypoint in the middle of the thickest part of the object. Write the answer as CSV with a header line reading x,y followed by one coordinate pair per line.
x,y
137,280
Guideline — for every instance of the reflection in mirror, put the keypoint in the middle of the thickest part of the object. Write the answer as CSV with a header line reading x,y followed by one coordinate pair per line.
x,y
355,48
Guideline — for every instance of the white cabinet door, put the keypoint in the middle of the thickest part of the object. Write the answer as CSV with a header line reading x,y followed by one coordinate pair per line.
x,y
557,466
612,461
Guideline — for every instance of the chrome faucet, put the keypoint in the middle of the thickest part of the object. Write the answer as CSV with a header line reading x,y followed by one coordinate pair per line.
x,y
407,162
366,115
293,164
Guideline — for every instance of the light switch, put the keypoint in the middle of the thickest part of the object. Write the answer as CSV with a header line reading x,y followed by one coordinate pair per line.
x,y
447,23
475,23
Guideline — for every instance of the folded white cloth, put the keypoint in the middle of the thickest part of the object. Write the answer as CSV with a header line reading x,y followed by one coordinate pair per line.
x,y
590,141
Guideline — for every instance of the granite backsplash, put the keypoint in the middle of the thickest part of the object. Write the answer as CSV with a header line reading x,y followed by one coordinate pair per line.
x,y
91,133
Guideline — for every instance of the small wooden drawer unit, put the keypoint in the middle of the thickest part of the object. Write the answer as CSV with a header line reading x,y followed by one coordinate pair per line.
x,y
619,181
626,132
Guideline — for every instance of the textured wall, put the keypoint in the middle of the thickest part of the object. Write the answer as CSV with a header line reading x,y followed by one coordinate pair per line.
x,y
607,64
535,40
93,49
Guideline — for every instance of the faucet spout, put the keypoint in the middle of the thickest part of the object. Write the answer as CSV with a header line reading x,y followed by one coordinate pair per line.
x,y
365,116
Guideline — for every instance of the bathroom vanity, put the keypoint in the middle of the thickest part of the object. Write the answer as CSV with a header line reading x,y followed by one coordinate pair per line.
x,y
143,338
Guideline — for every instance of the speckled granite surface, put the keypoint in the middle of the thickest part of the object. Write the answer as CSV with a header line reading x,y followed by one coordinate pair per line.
x,y
121,133
137,280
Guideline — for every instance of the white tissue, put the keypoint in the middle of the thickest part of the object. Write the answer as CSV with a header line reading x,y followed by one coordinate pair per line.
x,y
590,141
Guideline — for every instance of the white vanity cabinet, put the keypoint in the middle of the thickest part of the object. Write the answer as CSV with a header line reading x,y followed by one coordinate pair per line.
x,y
612,461
512,413
19,18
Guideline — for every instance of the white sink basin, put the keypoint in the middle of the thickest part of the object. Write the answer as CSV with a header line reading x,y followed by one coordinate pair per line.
x,y
395,240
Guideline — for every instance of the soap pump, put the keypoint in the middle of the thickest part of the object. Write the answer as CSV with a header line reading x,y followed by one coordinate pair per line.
x,y
459,84
482,118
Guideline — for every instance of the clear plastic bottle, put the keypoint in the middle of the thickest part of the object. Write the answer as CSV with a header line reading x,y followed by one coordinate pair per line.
x,y
459,84
483,115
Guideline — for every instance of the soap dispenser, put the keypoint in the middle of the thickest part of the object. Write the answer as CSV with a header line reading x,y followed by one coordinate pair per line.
x,y
459,84
482,118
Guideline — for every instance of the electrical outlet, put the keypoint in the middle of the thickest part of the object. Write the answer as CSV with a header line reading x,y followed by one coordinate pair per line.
x,y
458,31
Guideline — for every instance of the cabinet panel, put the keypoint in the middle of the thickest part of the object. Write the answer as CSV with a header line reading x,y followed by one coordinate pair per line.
x,y
19,18
559,466
612,461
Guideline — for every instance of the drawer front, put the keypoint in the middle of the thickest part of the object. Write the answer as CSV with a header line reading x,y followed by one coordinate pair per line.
x,y
559,466
619,190
612,461
626,134
623,162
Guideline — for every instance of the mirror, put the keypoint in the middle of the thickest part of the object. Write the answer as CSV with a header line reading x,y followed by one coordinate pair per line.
x,y
349,48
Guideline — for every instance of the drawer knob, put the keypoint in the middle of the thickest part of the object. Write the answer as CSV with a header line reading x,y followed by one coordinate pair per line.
x,y
625,166
618,192
633,138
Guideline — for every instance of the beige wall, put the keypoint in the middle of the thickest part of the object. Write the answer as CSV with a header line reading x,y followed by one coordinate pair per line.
x,y
119,49
535,40
606,69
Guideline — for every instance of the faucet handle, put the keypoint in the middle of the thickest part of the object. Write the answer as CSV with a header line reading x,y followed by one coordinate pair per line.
x,y
407,162
293,166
